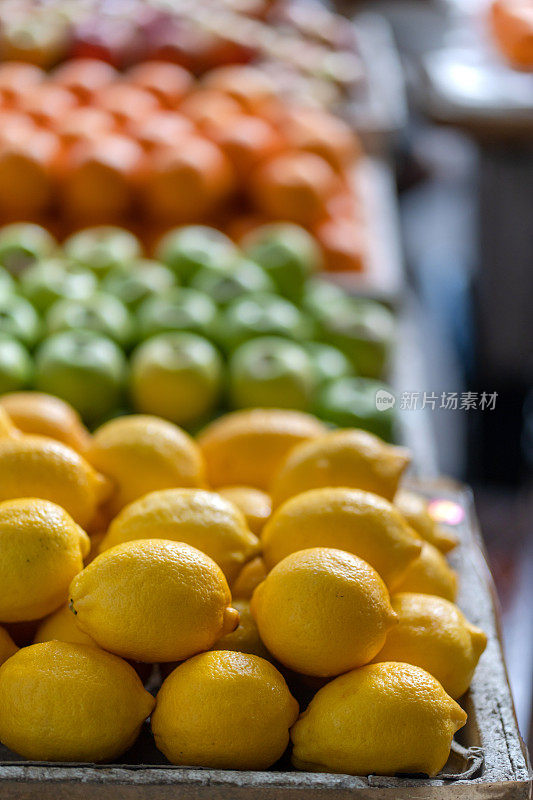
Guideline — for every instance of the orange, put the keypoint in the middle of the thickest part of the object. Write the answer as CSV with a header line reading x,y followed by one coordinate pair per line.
x,y
512,25
84,77
209,106
83,123
98,178
15,127
126,103
169,83
46,103
163,128
246,140
16,78
318,132
26,188
294,186
343,244
188,181
250,86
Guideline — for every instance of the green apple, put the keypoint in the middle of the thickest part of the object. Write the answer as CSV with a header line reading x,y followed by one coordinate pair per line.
x,y
103,248
7,284
84,369
363,330
16,366
54,279
320,294
101,312
246,277
271,372
259,315
19,319
288,253
188,249
178,309
177,376
329,363
23,243
142,279
351,403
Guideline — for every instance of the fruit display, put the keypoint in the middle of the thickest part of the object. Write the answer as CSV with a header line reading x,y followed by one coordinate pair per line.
x,y
86,144
251,595
512,28
305,46
202,326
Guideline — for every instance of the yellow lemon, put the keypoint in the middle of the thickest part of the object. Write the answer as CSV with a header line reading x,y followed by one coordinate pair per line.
x,y
142,454
414,509
432,633
351,458
61,626
153,600
6,426
199,518
245,638
34,466
42,549
249,578
347,519
379,719
323,611
70,702
8,647
430,573
247,447
254,504
46,415
224,710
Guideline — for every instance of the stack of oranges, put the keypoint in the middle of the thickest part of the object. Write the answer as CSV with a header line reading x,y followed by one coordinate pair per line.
x,y
91,145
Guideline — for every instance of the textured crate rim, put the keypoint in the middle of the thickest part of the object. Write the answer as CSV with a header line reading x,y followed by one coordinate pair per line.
x,y
493,727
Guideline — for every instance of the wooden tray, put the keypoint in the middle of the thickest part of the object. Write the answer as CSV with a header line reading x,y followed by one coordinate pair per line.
x,y
490,760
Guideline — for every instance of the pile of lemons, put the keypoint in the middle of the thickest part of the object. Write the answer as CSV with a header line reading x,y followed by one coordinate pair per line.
x,y
269,559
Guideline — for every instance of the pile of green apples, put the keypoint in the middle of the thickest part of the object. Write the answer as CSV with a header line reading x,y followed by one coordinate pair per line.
x,y
204,326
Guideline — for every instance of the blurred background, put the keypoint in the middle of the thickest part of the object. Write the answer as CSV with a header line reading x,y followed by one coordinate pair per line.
x,y
393,140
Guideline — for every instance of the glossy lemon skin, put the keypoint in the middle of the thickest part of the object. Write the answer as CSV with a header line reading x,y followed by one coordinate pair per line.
x,y
433,633
249,578
247,447
430,573
254,504
380,719
224,710
142,454
322,612
359,522
42,550
70,702
203,519
352,458
45,415
245,638
414,509
61,626
35,466
153,600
